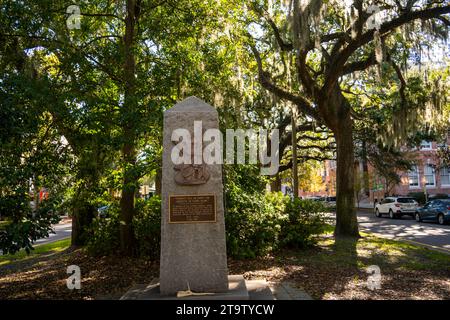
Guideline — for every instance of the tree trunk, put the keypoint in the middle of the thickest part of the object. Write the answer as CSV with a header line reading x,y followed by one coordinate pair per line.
x,y
76,229
275,185
158,181
82,216
81,221
127,239
346,221
294,153
365,169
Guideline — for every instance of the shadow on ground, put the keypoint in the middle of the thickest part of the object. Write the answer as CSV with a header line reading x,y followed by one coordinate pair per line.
x,y
338,270
327,271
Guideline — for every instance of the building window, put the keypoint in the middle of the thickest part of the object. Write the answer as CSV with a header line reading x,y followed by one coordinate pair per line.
x,y
425,145
413,176
445,176
430,179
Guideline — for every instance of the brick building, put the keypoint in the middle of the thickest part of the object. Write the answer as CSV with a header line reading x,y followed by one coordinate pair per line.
x,y
427,175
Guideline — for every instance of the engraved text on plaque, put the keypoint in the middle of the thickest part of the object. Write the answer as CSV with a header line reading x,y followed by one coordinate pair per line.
x,y
192,208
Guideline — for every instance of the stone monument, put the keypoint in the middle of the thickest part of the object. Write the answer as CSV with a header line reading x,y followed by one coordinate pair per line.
x,y
193,251
193,261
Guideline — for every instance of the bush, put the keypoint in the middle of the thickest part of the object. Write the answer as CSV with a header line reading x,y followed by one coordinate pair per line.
x,y
253,223
104,238
260,224
104,234
257,222
305,221
147,227
256,225
25,227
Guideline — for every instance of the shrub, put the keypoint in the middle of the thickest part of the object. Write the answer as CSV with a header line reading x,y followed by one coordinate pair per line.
x,y
253,223
147,227
257,223
260,224
104,233
24,227
305,221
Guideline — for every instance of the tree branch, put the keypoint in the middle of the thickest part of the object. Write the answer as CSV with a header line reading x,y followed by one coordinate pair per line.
x,y
445,21
304,76
302,159
337,66
283,45
360,65
267,83
287,139
106,15
402,81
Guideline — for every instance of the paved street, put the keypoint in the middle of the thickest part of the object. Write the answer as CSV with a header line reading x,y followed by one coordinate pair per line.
x,y
429,234
62,231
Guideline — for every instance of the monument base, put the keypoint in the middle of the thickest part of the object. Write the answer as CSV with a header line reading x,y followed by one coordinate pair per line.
x,y
237,290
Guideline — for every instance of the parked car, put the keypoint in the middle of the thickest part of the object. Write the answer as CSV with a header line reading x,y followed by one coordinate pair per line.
x,y
435,211
103,211
314,198
331,201
396,207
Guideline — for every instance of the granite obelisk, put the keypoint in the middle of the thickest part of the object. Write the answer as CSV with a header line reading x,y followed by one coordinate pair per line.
x,y
193,250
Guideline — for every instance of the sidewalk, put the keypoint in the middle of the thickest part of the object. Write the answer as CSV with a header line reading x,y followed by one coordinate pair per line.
x,y
365,205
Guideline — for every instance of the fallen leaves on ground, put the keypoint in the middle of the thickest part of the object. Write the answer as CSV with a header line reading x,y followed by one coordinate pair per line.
x,y
325,272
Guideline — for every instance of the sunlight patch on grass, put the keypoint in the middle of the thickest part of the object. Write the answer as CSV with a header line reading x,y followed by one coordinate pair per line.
x,y
373,250
48,248
365,252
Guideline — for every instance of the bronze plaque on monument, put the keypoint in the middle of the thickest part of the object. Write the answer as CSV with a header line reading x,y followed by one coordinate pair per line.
x,y
192,208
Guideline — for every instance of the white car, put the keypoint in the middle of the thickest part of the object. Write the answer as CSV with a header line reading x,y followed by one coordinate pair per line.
x,y
396,207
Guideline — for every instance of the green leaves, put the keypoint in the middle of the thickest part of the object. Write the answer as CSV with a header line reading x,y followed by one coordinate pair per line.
x,y
21,234
258,222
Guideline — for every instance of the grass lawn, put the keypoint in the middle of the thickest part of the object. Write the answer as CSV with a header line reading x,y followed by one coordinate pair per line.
x,y
337,270
330,270
39,250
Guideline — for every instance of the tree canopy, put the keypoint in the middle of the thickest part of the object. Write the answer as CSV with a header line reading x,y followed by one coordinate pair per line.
x,y
82,97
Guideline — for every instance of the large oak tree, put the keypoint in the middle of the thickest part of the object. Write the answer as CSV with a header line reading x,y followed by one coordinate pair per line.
x,y
330,44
